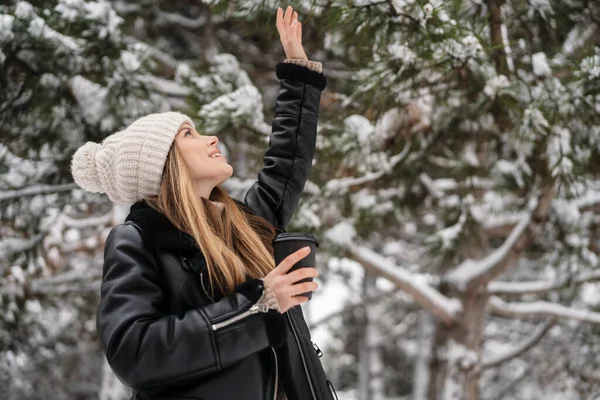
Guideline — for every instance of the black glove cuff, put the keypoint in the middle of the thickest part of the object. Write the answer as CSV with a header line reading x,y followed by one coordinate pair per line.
x,y
301,73
252,289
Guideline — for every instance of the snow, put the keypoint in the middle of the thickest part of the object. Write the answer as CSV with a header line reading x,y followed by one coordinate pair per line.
x,y
558,150
24,10
458,50
341,233
591,66
470,270
449,235
507,50
543,7
165,86
590,294
240,107
37,28
90,96
540,66
414,284
543,308
6,23
519,287
359,127
130,61
494,86
401,52
101,12
589,199
341,288
363,200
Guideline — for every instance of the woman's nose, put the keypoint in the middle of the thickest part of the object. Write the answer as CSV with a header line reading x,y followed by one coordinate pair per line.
x,y
213,140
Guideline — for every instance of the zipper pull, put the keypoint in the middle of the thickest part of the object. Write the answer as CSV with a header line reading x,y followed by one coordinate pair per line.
x,y
317,349
259,308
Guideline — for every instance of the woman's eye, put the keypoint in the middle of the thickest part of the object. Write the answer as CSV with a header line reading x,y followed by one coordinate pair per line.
x,y
187,133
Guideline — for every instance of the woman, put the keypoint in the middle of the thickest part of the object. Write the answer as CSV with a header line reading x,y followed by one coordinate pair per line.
x,y
192,305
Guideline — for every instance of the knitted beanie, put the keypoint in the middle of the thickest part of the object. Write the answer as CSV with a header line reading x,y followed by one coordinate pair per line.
x,y
128,165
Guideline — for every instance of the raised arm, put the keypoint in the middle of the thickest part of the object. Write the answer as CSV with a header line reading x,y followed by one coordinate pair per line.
x,y
288,160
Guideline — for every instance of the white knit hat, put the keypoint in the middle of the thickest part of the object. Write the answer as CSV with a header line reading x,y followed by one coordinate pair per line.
x,y
128,165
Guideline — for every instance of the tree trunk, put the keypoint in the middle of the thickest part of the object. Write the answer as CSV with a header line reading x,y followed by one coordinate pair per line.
x,y
474,313
426,331
456,351
364,359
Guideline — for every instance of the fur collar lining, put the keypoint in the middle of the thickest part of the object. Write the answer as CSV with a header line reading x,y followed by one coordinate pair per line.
x,y
159,233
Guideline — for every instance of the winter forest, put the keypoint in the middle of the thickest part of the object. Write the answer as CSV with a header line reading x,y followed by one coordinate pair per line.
x,y
455,190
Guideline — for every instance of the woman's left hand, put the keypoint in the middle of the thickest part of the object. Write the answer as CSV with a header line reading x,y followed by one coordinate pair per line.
x,y
290,33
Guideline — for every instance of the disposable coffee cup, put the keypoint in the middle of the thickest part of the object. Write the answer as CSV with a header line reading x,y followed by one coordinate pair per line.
x,y
287,243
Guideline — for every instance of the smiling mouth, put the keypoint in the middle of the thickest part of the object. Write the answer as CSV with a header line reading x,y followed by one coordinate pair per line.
x,y
218,155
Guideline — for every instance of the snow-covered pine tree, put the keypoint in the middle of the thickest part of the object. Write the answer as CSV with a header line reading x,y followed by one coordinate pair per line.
x,y
460,164
68,74
74,71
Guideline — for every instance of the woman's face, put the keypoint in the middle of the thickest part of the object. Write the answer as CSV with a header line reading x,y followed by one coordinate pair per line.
x,y
208,171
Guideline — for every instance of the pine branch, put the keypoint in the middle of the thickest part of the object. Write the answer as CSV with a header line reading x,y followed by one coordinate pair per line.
x,y
342,184
476,273
473,274
520,349
390,9
540,287
35,190
167,18
442,307
10,246
540,308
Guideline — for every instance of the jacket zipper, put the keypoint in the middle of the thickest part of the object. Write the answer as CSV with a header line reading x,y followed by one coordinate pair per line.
x,y
252,310
276,374
203,288
312,390
317,349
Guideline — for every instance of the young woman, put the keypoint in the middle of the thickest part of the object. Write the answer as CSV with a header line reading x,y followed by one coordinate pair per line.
x,y
192,305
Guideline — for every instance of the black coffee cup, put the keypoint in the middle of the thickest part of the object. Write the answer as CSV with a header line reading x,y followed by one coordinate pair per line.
x,y
287,243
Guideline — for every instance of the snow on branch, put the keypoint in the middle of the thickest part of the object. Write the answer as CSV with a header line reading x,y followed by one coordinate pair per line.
x,y
165,86
342,184
541,308
589,201
540,287
518,350
475,273
441,186
10,246
442,307
35,190
500,225
166,18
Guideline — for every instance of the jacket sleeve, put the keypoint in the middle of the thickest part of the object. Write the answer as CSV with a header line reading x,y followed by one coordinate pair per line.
x,y
146,347
288,159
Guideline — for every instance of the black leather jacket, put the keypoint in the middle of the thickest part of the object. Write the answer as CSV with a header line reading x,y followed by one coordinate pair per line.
x,y
166,336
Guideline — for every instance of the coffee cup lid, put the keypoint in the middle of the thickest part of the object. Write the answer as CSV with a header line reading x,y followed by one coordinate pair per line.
x,y
282,237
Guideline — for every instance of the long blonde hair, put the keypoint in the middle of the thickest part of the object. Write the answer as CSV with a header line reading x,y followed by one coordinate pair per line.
x,y
235,244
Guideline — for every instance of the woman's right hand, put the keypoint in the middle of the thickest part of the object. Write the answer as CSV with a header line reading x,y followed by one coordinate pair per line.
x,y
283,284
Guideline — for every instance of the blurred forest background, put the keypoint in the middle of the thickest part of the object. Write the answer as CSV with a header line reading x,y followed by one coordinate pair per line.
x,y
455,190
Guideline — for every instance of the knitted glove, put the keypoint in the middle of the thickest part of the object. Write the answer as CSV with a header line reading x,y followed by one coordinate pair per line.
x,y
269,298
312,65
